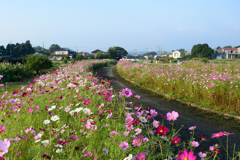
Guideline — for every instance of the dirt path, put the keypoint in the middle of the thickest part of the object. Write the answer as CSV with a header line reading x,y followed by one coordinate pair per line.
x,y
187,116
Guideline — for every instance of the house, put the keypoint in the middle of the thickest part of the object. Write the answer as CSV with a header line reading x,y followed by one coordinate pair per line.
x,y
6,57
230,52
94,52
176,54
238,52
62,53
169,55
85,55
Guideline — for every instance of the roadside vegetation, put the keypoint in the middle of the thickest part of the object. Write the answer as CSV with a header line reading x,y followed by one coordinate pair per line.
x,y
207,84
69,113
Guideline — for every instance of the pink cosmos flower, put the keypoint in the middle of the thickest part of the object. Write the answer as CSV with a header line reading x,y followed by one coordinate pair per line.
x,y
2,129
217,135
84,150
127,92
140,156
87,126
126,133
185,155
145,139
30,110
136,142
123,145
138,130
105,150
211,148
89,154
4,146
172,116
195,144
202,155
192,128
37,108
129,119
155,123
137,96
113,133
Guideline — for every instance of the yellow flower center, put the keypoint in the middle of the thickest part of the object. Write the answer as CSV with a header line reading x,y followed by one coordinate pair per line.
x,y
0,130
186,158
175,141
1,151
217,135
172,117
161,130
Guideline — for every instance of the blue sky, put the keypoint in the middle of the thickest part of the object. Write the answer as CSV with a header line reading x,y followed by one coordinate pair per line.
x,y
135,25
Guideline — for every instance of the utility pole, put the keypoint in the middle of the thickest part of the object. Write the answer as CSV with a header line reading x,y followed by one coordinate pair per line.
x,y
158,50
161,50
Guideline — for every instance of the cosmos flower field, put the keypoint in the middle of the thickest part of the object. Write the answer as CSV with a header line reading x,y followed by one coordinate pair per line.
x,y
216,86
71,114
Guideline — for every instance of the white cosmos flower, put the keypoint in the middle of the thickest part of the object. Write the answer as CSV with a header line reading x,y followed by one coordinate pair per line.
x,y
59,145
46,122
54,118
78,109
129,157
143,119
52,108
59,151
37,140
45,142
89,121
55,129
72,112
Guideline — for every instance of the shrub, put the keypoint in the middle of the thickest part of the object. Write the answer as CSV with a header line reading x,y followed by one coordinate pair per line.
x,y
65,61
37,63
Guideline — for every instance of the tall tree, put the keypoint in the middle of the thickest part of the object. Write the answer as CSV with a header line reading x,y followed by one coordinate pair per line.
x,y
117,52
164,52
3,49
54,47
201,51
182,51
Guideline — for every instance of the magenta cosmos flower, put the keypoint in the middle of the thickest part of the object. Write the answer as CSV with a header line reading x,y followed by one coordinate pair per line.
x,y
87,102
123,145
186,156
127,92
217,135
162,130
4,146
2,129
175,140
172,116
140,156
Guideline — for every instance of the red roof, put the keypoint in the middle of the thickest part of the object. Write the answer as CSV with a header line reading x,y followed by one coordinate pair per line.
x,y
230,48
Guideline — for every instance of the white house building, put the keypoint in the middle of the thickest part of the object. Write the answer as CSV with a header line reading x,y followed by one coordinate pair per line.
x,y
176,54
61,53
